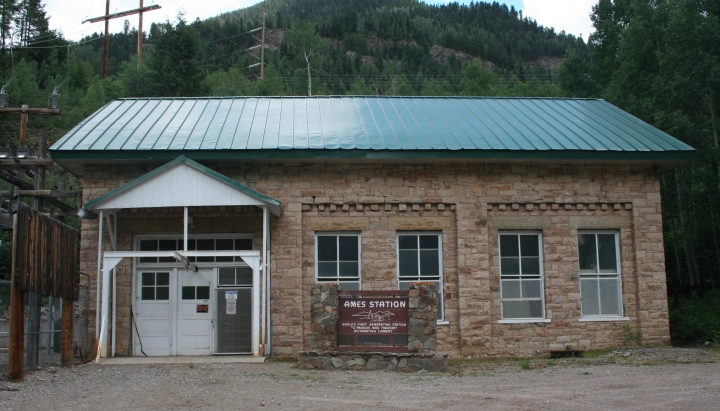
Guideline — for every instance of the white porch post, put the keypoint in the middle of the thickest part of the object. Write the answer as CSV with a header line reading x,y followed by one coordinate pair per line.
x,y
185,229
264,277
112,232
256,310
99,268
108,264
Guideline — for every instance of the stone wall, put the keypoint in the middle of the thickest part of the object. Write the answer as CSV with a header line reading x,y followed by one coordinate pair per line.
x,y
422,313
468,203
324,317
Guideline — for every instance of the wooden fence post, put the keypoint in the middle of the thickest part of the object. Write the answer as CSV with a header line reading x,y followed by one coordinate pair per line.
x,y
66,339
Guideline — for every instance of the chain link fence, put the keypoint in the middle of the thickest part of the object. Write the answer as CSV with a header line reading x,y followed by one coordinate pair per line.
x,y
43,322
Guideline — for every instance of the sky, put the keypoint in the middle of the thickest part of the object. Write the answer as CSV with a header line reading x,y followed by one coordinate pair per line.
x,y
573,16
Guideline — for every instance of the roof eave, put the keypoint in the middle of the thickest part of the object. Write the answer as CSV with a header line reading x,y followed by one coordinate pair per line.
x,y
73,160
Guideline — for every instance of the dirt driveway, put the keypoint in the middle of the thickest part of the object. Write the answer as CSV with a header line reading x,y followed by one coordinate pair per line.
x,y
611,381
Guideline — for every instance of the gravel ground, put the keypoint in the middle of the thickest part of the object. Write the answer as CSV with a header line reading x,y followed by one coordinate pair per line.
x,y
637,379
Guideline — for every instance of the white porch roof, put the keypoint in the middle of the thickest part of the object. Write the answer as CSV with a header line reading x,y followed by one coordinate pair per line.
x,y
183,183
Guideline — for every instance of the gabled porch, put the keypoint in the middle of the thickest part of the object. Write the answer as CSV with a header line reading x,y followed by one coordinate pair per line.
x,y
167,270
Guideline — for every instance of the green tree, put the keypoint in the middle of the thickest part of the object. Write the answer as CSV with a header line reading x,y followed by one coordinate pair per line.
x,y
360,88
477,80
574,76
172,68
8,9
437,88
305,42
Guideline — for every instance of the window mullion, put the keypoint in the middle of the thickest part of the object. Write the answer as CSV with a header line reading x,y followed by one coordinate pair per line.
x,y
337,261
418,257
520,268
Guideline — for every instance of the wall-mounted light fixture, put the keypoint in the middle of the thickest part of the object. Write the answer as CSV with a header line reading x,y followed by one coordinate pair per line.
x,y
85,214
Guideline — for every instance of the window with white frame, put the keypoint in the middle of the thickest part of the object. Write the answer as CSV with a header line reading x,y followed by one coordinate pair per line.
x,y
420,259
521,276
198,242
337,259
600,284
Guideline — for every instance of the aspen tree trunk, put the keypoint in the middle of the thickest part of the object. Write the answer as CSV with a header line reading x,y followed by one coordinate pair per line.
x,y
307,60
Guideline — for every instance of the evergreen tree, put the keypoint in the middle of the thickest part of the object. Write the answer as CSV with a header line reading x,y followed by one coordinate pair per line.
x,y
172,68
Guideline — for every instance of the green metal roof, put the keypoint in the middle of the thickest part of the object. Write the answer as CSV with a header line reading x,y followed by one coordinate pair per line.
x,y
364,127
273,204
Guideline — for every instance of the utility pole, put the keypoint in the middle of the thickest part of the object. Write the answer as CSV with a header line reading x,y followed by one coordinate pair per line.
x,y
16,369
107,38
262,48
140,36
107,17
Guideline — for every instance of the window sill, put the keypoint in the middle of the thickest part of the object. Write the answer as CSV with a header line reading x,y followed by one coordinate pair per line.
x,y
443,323
590,319
524,321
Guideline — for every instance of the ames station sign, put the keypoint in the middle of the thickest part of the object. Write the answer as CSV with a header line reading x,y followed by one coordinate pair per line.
x,y
373,320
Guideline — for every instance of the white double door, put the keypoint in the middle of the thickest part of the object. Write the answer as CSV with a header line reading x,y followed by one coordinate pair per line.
x,y
174,313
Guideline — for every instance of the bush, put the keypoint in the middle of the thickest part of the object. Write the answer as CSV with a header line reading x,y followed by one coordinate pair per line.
x,y
697,320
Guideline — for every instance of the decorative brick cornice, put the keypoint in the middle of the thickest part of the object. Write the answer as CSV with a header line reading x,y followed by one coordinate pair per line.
x,y
622,205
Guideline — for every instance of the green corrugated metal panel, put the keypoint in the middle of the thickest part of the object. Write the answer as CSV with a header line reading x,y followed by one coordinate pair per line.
x,y
491,127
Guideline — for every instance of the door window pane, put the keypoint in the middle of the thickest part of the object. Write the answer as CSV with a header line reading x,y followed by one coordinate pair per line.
x,y
162,293
148,293
203,293
188,293
148,278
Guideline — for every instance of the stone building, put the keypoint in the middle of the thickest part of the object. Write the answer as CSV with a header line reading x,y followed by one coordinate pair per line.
x,y
539,219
